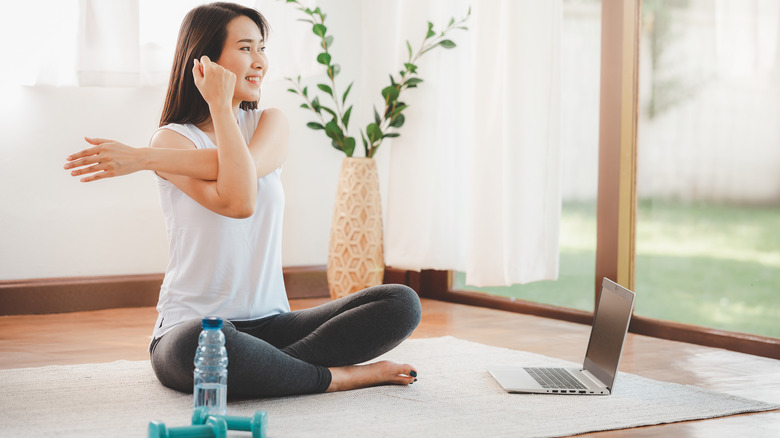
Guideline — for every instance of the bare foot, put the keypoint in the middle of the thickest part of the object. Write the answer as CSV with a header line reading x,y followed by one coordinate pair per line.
x,y
373,374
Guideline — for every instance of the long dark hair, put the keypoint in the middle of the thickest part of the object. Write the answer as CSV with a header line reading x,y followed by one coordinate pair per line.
x,y
203,32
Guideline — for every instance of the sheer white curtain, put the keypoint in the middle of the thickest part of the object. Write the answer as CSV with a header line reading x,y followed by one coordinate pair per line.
x,y
474,177
130,43
747,38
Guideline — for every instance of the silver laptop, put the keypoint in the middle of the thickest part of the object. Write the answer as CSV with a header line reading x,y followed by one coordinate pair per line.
x,y
597,375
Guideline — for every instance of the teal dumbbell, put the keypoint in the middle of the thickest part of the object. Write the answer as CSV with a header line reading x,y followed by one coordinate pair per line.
x,y
257,424
211,428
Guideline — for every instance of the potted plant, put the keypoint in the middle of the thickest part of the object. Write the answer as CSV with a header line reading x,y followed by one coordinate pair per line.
x,y
355,256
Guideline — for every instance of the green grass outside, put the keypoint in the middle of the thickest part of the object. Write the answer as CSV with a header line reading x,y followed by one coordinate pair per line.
x,y
710,265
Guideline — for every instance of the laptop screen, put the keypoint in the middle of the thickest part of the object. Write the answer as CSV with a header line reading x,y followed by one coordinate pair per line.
x,y
610,325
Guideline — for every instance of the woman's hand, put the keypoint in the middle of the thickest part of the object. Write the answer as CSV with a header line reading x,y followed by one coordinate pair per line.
x,y
215,83
106,159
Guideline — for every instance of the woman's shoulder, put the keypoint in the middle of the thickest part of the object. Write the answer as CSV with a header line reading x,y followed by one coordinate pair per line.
x,y
174,136
253,117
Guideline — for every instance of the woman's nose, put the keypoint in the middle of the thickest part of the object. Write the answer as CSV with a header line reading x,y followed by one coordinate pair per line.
x,y
259,60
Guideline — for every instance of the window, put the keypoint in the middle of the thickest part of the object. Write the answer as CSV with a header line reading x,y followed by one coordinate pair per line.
x,y
708,243
705,198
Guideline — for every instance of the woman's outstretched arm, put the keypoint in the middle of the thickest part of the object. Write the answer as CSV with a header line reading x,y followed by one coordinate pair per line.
x,y
110,158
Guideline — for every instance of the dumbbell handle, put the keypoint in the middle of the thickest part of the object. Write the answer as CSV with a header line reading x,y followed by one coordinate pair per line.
x,y
257,424
236,423
214,428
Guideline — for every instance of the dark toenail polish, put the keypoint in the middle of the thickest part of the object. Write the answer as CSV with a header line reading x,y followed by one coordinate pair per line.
x,y
413,373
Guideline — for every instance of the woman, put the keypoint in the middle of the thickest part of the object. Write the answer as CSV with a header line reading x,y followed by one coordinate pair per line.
x,y
218,160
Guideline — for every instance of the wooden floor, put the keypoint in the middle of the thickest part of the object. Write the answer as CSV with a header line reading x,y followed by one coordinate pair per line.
x,y
109,335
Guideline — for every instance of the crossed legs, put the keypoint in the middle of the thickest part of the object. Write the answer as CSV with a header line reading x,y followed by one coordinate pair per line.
x,y
305,351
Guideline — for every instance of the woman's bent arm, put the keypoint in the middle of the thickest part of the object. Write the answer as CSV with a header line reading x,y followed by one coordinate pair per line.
x,y
268,145
236,184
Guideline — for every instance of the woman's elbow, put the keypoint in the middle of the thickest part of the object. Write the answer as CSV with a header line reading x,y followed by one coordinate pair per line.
x,y
241,209
236,207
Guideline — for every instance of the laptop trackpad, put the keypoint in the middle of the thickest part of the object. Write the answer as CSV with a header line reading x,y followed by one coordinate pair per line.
x,y
515,379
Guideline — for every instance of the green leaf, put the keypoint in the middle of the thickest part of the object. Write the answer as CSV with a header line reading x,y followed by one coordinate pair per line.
x,y
365,142
315,126
333,131
412,82
377,119
323,58
315,104
392,81
319,30
334,70
349,146
409,46
410,67
303,105
452,21
325,88
329,111
292,90
430,31
344,97
327,42
397,110
373,132
345,119
391,135
398,121
390,94
447,44
306,91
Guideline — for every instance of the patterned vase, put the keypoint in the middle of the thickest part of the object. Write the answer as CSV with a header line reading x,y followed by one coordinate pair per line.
x,y
355,256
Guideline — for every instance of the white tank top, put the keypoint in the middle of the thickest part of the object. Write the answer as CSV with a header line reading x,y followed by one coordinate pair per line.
x,y
220,266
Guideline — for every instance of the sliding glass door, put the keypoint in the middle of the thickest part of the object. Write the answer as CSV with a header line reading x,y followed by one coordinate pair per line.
x,y
708,222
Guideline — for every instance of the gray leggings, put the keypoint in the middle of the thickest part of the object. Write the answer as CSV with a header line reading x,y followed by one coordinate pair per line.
x,y
290,353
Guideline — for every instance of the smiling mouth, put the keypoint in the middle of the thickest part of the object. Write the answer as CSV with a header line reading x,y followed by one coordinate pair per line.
x,y
254,79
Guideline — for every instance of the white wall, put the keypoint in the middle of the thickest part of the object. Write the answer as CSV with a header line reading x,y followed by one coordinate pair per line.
x,y
51,225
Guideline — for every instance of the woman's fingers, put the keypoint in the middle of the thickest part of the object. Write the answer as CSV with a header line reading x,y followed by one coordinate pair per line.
x,y
97,141
81,162
215,83
96,174
81,154
85,168
106,159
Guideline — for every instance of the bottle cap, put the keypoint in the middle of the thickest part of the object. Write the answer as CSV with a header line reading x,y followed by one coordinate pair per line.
x,y
212,322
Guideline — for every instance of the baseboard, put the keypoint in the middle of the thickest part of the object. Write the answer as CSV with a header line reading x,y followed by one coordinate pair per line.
x,y
76,294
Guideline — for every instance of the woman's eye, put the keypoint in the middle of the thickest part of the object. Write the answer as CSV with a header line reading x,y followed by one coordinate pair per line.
x,y
245,49
262,49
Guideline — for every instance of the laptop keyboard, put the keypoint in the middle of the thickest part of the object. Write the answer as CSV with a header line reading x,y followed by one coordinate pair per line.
x,y
555,378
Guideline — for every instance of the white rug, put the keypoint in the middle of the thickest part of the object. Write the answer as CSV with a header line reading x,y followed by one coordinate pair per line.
x,y
454,396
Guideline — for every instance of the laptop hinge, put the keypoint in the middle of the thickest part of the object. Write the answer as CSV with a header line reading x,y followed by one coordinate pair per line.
x,y
595,380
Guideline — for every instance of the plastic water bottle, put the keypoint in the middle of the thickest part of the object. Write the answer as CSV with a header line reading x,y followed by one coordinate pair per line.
x,y
211,363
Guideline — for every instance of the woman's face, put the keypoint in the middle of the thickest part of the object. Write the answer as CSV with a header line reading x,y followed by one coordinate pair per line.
x,y
244,54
